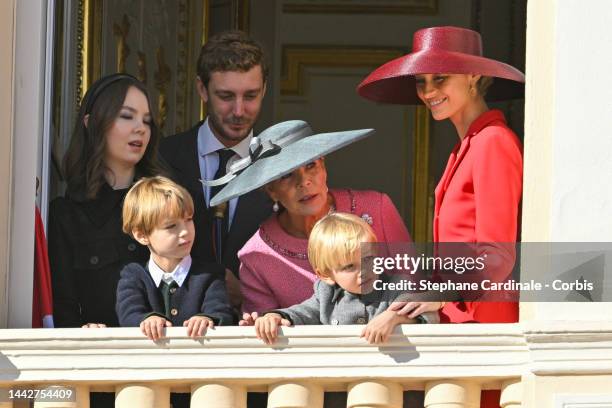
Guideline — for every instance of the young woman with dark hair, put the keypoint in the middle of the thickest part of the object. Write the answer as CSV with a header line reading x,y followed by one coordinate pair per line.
x,y
113,144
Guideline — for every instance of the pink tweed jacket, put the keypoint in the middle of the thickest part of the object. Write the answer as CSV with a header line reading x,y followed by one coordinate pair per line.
x,y
274,268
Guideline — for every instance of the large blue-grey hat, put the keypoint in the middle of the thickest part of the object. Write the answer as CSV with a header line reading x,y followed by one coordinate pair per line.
x,y
277,151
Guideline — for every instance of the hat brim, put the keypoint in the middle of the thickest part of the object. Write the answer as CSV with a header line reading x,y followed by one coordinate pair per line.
x,y
394,82
291,157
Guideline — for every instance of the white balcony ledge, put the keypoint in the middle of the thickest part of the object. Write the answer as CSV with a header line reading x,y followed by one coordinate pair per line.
x,y
486,353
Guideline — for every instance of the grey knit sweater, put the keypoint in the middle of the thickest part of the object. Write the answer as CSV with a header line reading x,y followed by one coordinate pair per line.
x,y
330,304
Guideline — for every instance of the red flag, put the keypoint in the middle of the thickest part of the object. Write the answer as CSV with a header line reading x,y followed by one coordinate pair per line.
x,y
42,303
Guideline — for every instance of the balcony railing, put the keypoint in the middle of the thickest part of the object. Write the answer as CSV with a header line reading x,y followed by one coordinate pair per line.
x,y
451,363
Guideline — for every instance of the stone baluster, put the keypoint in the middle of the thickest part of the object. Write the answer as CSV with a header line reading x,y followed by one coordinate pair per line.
x,y
295,395
452,394
142,396
82,396
511,394
383,394
218,396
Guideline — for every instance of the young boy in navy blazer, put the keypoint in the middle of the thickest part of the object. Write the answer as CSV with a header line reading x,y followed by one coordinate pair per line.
x,y
170,289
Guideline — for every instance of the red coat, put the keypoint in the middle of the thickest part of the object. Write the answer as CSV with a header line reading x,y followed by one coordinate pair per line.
x,y
478,200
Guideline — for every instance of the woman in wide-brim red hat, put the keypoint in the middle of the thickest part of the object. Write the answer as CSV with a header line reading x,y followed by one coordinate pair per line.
x,y
478,197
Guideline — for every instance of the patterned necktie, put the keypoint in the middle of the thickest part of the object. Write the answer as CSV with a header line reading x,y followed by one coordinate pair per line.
x,y
221,223
224,156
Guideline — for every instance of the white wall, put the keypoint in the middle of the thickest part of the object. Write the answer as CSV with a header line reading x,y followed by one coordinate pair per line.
x,y
28,91
7,19
582,144
568,135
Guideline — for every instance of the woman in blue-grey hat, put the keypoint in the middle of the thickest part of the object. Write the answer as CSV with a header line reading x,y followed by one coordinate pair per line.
x,y
290,166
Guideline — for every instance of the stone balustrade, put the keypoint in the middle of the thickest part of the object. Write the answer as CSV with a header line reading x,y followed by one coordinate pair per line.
x,y
450,363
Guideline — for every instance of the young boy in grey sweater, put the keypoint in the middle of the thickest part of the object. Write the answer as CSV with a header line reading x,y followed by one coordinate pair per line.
x,y
344,294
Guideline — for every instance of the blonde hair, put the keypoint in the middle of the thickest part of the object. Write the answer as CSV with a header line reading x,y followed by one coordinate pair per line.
x,y
334,240
150,200
483,85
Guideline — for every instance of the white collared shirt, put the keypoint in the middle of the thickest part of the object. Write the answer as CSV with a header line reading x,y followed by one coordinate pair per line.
x,y
178,274
208,144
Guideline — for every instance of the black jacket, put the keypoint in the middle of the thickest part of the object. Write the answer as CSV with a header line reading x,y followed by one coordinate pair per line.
x,y
202,293
180,153
87,251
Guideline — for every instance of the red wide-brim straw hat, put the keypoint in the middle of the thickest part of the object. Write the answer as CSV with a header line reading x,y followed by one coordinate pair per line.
x,y
440,50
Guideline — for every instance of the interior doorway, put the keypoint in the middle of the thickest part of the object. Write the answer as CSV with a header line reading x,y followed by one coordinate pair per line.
x,y
318,51
321,50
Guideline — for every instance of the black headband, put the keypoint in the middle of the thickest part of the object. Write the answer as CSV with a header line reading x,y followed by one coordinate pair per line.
x,y
99,86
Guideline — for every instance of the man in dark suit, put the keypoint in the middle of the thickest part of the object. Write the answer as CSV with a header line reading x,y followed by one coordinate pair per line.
x,y
232,82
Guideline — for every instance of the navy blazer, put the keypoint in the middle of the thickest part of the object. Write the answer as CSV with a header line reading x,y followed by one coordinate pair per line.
x,y
180,152
202,293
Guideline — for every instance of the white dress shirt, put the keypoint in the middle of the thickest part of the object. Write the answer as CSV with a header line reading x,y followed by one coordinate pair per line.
x,y
178,274
208,144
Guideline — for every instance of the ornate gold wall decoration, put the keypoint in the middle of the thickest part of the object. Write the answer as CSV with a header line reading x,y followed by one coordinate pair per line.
x,y
162,78
142,67
81,57
293,82
423,7
136,26
297,57
205,34
121,31
86,48
189,49
240,15
89,39
422,185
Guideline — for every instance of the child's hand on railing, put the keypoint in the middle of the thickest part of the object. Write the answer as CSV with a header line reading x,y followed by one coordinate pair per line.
x,y
197,325
248,319
414,309
266,327
379,328
153,327
93,326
